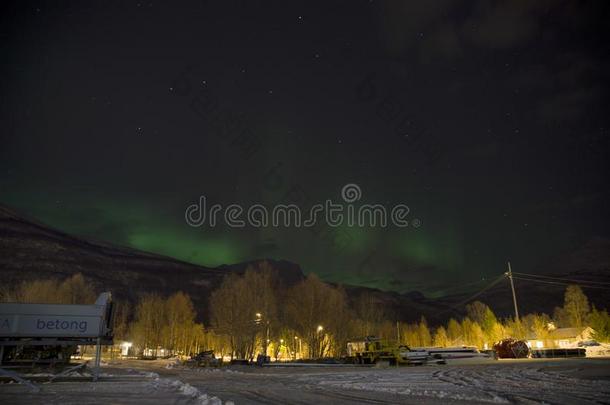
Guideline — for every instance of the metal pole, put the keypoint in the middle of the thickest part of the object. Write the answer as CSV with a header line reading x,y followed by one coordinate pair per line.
x,y
267,340
512,287
98,355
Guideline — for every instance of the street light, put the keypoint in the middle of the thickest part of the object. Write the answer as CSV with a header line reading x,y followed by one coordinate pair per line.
x,y
259,318
300,346
318,348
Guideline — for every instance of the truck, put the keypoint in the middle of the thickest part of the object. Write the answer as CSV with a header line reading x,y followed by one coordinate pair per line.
x,y
51,333
374,350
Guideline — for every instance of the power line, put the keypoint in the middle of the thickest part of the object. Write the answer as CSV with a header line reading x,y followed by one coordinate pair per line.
x,y
559,283
561,278
493,283
458,287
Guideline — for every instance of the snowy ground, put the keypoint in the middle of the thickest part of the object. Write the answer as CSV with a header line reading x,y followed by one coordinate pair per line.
x,y
568,381
121,386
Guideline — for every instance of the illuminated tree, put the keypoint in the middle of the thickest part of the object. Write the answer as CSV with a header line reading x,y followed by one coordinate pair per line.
x,y
410,335
472,334
454,332
560,317
515,329
261,284
600,323
234,316
477,312
494,334
244,307
440,337
75,290
311,310
425,339
368,312
146,330
481,314
37,291
179,329
341,329
121,319
538,325
576,306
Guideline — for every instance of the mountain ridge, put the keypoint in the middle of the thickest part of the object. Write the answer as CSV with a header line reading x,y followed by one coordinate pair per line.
x,y
31,250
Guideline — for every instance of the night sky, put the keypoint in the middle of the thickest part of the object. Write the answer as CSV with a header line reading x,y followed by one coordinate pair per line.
x,y
488,119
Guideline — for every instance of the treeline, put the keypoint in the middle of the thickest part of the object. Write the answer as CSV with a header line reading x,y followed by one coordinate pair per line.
x,y
254,313
167,323
154,323
73,290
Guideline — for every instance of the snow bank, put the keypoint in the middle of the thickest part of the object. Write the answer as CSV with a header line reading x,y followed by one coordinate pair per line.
x,y
175,362
167,384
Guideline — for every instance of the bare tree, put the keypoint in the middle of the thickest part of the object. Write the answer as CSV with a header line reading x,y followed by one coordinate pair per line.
x,y
244,308
440,337
369,313
311,309
576,306
180,323
149,320
75,290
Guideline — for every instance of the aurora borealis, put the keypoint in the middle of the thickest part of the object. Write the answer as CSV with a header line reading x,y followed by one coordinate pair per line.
x,y
487,119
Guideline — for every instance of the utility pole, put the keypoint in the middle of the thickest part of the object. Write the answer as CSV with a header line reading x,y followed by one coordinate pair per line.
x,y
509,273
398,332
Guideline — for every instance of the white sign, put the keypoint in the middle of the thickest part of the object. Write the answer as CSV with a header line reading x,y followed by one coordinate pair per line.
x,y
48,325
21,320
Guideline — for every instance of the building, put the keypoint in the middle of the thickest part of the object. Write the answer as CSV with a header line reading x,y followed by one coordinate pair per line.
x,y
562,338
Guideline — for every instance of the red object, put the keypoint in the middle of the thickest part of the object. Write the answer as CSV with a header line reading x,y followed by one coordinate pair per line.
x,y
511,349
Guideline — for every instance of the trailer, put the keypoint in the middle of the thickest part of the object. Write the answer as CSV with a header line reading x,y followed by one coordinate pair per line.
x,y
50,333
